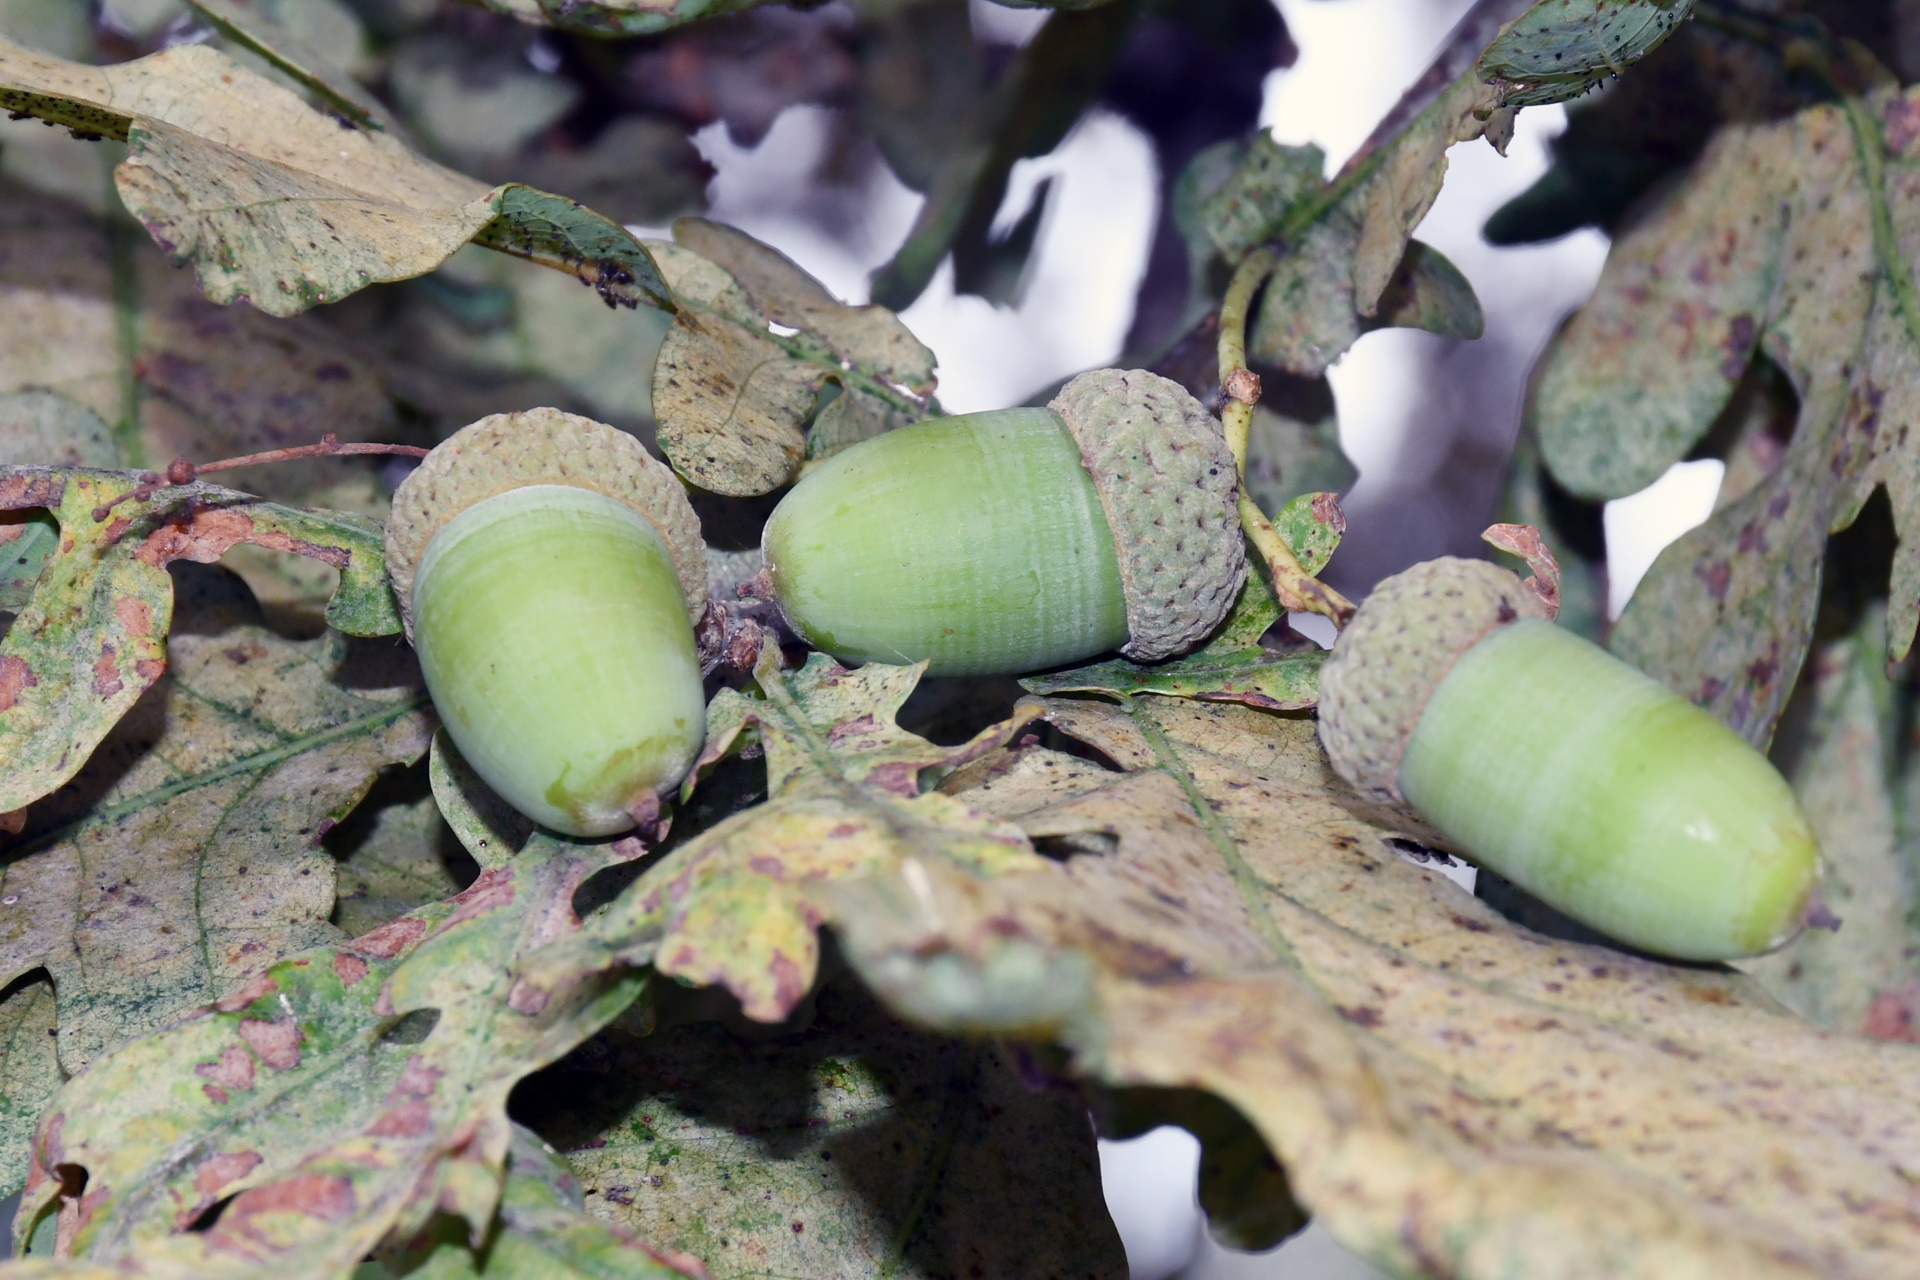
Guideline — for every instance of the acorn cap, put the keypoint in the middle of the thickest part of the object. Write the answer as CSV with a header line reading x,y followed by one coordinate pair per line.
x,y
1396,651
541,446
1169,488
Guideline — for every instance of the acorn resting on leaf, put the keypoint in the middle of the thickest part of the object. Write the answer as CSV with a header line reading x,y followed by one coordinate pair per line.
x,y
1018,539
1562,768
549,573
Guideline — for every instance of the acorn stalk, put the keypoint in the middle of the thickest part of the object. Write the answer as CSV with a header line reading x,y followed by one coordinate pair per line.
x,y
1564,769
1017,539
550,572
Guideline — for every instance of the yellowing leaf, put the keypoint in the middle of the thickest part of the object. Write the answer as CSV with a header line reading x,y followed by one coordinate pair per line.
x,y
734,906
277,203
1450,1094
186,852
93,638
341,1096
753,343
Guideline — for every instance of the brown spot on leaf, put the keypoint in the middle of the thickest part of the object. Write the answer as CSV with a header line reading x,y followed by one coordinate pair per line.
x,y
389,940
17,491
262,984
277,1043
15,675
1717,577
1361,1015
348,967
1892,1016
232,1070
207,534
224,1170
492,891
106,673
328,1197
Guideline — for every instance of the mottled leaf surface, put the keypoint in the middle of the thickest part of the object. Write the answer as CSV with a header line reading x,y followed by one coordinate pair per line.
x,y
1561,48
855,1147
754,341
1449,1094
185,854
1725,614
734,906
273,201
93,637
1838,749
29,1071
325,1095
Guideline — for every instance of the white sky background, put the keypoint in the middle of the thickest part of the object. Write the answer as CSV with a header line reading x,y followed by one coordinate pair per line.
x,y
1356,56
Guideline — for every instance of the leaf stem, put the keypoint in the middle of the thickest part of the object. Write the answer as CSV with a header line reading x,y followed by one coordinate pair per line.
x,y
1298,590
182,472
1245,880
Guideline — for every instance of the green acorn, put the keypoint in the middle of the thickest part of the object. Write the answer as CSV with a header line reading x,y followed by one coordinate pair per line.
x,y
1019,539
1547,759
550,572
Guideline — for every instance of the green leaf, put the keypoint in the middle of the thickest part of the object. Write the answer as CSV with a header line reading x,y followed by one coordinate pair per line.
x,y
1637,377
1275,679
275,202
186,851
1312,524
850,1146
1293,446
1559,49
733,396
491,829
1572,531
338,1119
542,1231
1841,760
51,429
27,539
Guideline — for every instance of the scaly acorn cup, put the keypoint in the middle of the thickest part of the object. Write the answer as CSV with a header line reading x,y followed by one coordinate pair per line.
x,y
549,573
1018,539
1549,760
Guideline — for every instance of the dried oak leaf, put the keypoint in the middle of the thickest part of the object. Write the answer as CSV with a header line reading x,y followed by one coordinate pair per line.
x,y
1450,1094
754,341
288,207
186,852
342,1097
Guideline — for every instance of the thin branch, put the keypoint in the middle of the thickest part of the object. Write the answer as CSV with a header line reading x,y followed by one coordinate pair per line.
x,y
1297,589
182,472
